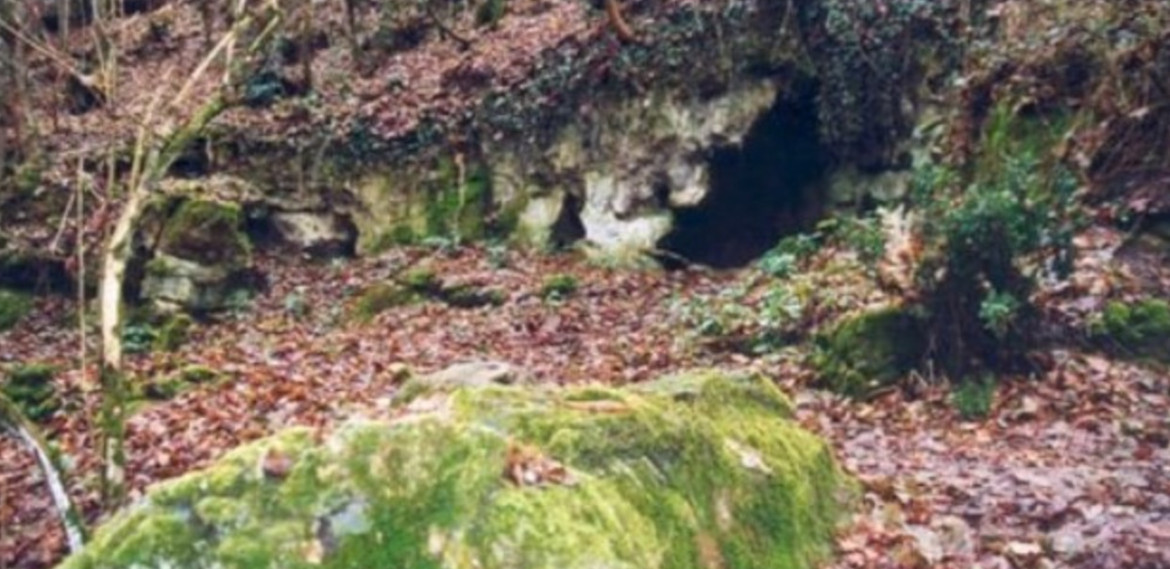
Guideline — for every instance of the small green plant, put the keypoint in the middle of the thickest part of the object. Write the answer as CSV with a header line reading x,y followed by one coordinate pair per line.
x,y
14,306
173,333
997,311
295,305
1141,327
30,387
558,287
778,264
138,338
497,255
782,260
238,302
973,398
865,237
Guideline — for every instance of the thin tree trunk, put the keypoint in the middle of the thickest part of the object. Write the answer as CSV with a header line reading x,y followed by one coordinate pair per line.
x,y
151,163
307,45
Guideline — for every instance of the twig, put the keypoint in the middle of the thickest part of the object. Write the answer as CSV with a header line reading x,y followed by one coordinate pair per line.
x,y
61,226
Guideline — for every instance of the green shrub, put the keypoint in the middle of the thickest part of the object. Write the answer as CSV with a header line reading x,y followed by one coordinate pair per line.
x,y
1141,328
986,244
558,287
14,306
870,351
30,387
973,398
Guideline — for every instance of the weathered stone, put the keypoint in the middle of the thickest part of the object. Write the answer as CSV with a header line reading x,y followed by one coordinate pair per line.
x,y
206,232
173,284
628,164
200,253
318,233
475,374
698,471
869,351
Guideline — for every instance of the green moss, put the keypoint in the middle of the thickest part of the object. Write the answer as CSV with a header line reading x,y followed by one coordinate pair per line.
x,y
30,387
171,385
692,472
1140,328
470,296
402,234
457,210
197,374
558,286
208,233
489,12
379,298
173,333
14,306
422,280
869,351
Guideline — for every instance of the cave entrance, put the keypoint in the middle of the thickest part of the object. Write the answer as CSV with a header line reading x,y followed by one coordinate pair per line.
x,y
760,191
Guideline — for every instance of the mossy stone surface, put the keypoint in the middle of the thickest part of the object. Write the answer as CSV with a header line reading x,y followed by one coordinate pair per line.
x,y
703,470
14,306
868,351
207,232
379,298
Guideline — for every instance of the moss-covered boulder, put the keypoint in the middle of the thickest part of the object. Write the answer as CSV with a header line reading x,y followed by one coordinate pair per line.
x,y
704,470
202,255
207,232
14,306
866,352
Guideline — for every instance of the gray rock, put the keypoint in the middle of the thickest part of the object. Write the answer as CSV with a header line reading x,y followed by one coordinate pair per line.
x,y
318,233
174,284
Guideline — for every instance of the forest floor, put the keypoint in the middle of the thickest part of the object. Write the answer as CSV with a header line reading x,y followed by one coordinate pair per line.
x,y
1071,468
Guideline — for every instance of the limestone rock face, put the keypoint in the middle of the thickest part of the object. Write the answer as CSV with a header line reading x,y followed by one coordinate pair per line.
x,y
701,470
173,283
628,164
201,255
317,233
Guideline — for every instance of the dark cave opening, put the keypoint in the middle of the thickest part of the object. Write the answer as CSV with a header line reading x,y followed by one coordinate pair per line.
x,y
761,190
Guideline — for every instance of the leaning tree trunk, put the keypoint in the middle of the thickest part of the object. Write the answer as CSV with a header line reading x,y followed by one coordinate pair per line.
x,y
151,162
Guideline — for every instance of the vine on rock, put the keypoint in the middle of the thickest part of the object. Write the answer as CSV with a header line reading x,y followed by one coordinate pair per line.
x,y
867,55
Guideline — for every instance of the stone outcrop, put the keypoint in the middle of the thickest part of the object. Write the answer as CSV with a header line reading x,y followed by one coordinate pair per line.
x,y
702,470
198,253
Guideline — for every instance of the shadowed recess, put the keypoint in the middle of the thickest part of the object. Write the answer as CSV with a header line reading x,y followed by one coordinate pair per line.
x,y
761,190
